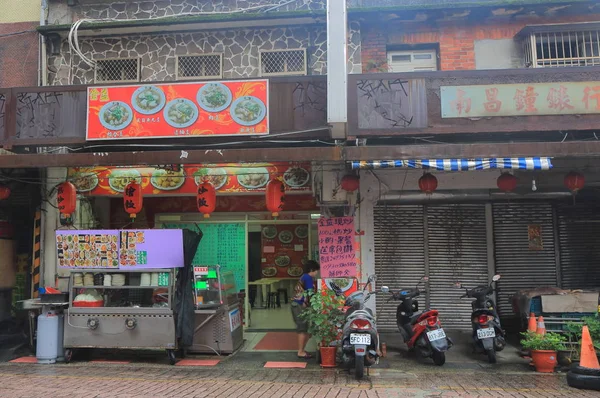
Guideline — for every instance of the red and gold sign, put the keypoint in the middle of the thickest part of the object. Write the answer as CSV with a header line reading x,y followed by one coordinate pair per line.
x,y
133,199
275,197
178,110
66,198
284,248
206,199
230,178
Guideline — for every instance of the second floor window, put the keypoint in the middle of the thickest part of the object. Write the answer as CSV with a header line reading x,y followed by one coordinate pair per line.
x,y
283,63
205,66
117,70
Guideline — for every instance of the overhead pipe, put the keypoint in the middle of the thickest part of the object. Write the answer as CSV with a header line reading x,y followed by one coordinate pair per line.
x,y
447,196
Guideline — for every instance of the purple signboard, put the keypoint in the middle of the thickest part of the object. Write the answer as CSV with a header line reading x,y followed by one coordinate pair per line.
x,y
151,248
87,249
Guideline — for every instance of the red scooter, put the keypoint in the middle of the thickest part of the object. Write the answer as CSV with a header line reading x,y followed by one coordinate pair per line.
x,y
421,331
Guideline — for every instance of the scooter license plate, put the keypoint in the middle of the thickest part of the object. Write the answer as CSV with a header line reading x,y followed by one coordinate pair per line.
x,y
486,333
437,334
360,339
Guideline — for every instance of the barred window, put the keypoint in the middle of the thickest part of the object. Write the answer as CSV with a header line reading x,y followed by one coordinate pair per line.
x,y
207,66
283,62
117,70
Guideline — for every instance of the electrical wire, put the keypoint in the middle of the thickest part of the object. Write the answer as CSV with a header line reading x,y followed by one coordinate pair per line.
x,y
16,33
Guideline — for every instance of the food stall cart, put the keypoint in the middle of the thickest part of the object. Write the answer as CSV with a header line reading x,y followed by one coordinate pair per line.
x,y
121,293
218,318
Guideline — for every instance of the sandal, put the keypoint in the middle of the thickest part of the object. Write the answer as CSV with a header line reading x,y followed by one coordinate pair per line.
x,y
306,356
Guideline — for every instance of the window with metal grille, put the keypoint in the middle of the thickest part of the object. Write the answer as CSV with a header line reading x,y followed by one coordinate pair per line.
x,y
283,62
207,66
551,46
118,70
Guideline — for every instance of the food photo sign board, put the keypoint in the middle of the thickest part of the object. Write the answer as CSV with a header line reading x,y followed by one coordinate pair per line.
x,y
230,178
284,248
336,247
113,249
179,110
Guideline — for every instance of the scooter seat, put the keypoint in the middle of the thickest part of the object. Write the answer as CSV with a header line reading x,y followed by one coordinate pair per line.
x,y
415,318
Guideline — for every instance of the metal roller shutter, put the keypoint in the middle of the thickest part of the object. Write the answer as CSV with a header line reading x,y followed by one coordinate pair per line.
x,y
520,267
457,253
579,230
399,255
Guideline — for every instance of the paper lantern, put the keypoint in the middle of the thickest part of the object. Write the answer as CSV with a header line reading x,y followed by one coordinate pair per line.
x,y
133,199
428,183
4,192
206,198
506,182
275,196
66,198
350,183
574,181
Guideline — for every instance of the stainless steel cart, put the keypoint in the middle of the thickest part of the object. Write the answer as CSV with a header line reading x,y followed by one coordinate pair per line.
x,y
131,318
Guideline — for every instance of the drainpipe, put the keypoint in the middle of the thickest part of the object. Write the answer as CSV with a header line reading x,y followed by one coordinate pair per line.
x,y
43,62
337,69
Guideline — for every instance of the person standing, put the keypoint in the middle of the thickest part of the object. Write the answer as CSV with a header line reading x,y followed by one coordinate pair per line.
x,y
306,283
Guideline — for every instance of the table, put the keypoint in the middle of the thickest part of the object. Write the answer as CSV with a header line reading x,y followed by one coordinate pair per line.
x,y
263,286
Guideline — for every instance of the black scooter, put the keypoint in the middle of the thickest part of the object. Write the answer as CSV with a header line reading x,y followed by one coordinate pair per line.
x,y
488,335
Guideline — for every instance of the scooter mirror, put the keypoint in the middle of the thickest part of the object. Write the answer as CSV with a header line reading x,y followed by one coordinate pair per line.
x,y
496,278
385,289
372,278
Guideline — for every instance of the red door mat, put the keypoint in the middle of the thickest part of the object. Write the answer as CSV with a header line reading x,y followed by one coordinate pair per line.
x,y
109,361
285,365
24,360
278,341
197,362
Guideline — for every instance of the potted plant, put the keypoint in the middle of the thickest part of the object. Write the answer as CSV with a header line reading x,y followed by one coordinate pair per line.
x,y
323,315
543,349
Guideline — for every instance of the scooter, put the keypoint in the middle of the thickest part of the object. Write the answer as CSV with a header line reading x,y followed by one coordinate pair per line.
x,y
359,339
421,331
488,335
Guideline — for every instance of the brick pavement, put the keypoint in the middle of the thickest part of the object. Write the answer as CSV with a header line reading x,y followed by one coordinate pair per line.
x,y
143,380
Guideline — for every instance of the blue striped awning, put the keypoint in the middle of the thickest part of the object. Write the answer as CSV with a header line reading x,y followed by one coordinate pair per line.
x,y
534,163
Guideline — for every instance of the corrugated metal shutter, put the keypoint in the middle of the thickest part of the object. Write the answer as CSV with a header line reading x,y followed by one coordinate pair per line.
x,y
579,231
399,255
520,267
457,253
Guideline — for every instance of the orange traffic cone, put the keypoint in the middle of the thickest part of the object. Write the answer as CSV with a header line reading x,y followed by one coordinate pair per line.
x,y
541,327
532,326
588,353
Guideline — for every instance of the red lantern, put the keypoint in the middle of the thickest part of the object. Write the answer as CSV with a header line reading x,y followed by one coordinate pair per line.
x,y
66,198
133,199
428,183
350,183
206,198
574,181
4,192
275,197
506,182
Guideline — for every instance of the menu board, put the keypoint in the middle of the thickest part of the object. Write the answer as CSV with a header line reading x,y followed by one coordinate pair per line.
x,y
87,249
284,248
336,247
221,244
119,249
151,248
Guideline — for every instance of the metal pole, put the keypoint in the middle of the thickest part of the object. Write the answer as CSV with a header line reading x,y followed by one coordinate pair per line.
x,y
337,89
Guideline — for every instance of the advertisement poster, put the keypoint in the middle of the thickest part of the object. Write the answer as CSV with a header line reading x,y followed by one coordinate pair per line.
x,y
112,249
534,233
336,247
230,178
284,248
150,248
87,249
178,110
235,319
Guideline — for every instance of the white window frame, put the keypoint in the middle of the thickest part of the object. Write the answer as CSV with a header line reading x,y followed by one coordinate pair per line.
x,y
417,65
138,69
294,73
220,76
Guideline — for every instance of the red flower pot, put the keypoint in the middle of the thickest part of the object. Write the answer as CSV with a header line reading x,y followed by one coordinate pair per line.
x,y
328,356
544,360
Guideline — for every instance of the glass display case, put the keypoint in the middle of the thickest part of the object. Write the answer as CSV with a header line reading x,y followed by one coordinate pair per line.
x,y
213,288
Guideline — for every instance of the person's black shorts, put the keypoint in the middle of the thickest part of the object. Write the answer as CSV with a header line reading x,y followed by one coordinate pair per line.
x,y
301,324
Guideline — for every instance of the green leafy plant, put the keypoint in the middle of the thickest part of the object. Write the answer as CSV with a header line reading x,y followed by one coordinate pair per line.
x,y
537,342
573,331
324,315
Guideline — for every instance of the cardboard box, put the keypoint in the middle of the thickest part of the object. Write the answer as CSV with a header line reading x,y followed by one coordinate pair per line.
x,y
574,302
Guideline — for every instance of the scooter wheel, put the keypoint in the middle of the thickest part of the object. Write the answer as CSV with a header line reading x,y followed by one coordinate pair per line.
x,y
491,354
439,358
359,368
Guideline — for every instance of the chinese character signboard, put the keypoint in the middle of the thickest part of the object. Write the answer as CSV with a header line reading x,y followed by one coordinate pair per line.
x,y
149,248
87,249
534,99
178,110
534,233
226,178
336,247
